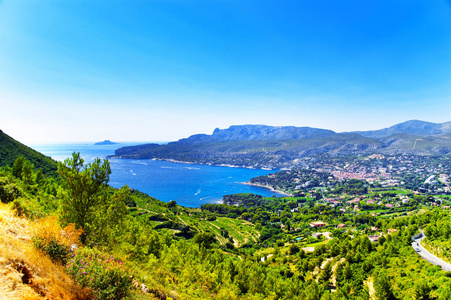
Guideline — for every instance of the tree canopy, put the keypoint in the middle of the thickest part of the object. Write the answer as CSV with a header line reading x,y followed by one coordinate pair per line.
x,y
86,188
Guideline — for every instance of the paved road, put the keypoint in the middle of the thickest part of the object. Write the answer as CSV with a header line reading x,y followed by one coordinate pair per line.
x,y
428,255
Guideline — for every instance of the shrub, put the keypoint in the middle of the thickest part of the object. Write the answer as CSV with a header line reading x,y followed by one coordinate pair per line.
x,y
27,208
294,249
8,191
100,272
211,218
58,252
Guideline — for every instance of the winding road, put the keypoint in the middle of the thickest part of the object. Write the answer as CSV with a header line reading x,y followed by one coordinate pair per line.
x,y
425,254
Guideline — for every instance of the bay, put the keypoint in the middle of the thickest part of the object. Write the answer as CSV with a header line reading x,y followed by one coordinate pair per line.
x,y
189,184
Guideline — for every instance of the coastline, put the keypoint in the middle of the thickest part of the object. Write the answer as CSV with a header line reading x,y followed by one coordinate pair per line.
x,y
198,163
213,165
267,187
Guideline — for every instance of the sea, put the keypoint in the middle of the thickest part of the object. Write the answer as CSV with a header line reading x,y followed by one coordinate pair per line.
x,y
189,185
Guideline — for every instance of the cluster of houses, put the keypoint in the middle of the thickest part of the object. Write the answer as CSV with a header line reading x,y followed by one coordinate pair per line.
x,y
390,171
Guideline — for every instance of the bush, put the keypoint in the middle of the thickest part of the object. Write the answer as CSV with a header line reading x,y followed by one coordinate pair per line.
x,y
211,218
58,252
8,191
102,273
27,208
294,249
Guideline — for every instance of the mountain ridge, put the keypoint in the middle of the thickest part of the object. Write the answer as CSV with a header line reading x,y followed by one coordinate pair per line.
x,y
259,132
263,146
415,127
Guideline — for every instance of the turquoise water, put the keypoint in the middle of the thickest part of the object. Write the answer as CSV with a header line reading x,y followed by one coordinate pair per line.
x,y
188,184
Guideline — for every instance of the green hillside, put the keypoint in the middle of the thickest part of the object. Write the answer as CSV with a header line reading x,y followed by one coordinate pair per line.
x,y
10,149
132,246
107,243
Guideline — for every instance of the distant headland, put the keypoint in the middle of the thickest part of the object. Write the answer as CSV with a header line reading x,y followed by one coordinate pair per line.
x,y
105,142
278,147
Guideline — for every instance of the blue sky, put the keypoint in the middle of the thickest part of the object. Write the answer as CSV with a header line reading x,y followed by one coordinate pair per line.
x,y
88,70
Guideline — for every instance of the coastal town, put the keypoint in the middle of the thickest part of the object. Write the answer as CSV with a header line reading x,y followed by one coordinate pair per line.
x,y
420,174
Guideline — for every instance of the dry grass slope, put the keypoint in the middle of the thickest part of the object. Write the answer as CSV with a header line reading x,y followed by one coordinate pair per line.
x,y
25,272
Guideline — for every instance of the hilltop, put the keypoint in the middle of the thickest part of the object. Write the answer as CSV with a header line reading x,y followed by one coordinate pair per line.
x,y
413,127
262,146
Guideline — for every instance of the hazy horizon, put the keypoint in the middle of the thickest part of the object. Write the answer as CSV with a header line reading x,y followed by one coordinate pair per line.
x,y
81,71
169,141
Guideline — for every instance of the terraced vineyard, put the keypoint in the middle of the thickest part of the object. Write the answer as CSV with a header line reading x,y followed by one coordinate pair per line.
x,y
240,231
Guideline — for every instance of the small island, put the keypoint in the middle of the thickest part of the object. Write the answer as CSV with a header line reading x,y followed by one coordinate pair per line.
x,y
105,142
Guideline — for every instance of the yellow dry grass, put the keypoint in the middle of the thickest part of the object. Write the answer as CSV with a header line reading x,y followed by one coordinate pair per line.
x,y
27,273
47,229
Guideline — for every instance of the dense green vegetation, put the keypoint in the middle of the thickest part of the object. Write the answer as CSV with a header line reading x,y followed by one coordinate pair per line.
x,y
10,149
251,247
293,180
